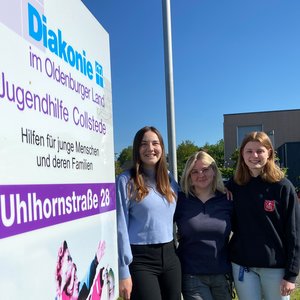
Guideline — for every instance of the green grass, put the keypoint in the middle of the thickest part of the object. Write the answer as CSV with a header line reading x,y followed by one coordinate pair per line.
x,y
294,296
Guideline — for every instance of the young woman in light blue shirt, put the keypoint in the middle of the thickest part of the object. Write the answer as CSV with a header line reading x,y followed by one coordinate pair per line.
x,y
146,198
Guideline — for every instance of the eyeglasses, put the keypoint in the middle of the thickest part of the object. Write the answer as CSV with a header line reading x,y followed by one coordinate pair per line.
x,y
203,171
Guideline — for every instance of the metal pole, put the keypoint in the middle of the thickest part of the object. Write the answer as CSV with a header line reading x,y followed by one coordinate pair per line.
x,y
169,87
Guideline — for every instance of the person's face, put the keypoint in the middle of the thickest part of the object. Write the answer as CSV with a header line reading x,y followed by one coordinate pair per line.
x,y
66,265
202,176
255,156
68,274
111,286
150,149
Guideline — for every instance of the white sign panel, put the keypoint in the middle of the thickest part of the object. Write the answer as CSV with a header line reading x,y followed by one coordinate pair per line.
x,y
57,182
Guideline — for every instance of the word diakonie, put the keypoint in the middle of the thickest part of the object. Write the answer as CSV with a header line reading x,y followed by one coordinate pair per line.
x,y
54,41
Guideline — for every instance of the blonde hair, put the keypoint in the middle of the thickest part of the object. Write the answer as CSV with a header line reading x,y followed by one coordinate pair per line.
x,y
136,187
186,183
270,172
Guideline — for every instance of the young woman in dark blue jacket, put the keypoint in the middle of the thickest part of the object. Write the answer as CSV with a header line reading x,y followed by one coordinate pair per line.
x,y
203,217
265,247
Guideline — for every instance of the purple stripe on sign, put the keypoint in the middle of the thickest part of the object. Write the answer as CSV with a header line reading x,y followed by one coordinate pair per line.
x,y
25,208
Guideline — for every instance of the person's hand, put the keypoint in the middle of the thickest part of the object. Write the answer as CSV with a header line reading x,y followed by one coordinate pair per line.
x,y
125,287
100,250
228,194
286,287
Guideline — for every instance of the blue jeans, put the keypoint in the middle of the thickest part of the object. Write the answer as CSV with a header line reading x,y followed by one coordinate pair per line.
x,y
205,287
258,283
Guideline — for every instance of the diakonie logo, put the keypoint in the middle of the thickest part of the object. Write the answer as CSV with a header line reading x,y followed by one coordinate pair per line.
x,y
53,41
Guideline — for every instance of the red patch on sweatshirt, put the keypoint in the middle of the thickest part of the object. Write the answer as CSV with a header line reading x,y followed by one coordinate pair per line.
x,y
269,205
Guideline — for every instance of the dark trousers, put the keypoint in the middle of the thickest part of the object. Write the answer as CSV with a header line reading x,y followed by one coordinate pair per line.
x,y
155,272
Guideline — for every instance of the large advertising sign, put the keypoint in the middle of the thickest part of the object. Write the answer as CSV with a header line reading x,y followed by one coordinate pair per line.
x,y
57,182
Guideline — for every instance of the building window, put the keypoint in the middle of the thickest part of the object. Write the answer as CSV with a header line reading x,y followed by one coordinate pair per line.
x,y
243,130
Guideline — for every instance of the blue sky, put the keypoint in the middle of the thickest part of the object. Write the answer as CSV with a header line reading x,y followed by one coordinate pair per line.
x,y
229,56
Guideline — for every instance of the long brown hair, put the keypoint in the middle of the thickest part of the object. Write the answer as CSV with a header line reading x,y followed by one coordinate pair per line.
x,y
270,172
137,187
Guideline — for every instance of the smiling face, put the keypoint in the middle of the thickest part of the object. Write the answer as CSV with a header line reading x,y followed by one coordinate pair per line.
x,y
111,284
68,274
150,150
202,176
255,156
67,267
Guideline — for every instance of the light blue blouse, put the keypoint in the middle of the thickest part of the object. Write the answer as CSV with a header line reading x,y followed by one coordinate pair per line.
x,y
149,221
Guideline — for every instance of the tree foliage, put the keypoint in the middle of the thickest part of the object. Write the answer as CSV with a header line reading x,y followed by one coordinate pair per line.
x,y
216,151
184,151
118,169
124,160
125,155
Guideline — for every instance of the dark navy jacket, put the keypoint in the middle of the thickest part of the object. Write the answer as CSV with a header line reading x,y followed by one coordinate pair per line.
x,y
266,229
203,232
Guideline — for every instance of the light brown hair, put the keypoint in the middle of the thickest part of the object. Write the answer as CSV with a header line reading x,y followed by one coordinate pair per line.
x,y
270,172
